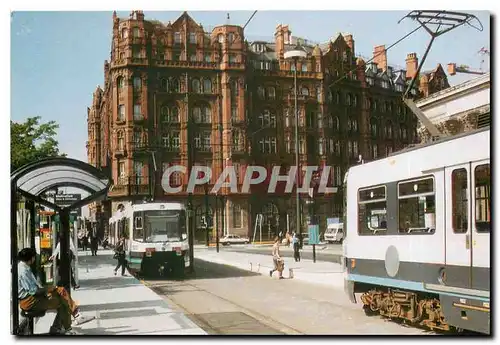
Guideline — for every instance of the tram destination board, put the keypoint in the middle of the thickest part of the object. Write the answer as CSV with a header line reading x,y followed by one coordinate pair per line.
x,y
65,200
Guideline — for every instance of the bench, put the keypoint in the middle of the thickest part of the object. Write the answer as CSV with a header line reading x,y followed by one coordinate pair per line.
x,y
27,326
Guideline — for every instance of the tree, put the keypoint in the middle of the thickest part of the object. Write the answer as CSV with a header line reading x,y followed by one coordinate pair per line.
x,y
32,141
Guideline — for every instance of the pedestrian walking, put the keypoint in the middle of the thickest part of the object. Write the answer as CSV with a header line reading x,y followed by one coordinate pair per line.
x,y
296,247
278,261
94,243
72,256
120,255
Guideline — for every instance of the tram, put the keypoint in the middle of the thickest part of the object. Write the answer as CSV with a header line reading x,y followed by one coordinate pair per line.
x,y
417,234
156,237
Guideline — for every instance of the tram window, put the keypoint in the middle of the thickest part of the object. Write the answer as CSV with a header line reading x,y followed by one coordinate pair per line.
x,y
460,203
372,211
483,197
417,211
138,222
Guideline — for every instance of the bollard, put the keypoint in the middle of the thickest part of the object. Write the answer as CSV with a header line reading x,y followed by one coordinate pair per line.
x,y
290,273
250,267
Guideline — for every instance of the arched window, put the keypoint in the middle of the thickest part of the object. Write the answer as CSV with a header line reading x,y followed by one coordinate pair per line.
x,y
197,114
336,123
174,114
337,97
355,100
137,82
206,114
304,91
164,84
120,83
174,85
207,86
330,97
124,33
271,92
165,114
196,86
348,99
220,38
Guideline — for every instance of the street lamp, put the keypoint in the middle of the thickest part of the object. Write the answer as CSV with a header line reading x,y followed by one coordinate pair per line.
x,y
296,55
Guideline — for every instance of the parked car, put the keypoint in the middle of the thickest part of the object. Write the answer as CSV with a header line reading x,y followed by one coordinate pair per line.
x,y
234,239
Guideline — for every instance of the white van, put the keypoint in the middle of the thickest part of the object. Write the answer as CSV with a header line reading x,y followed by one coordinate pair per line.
x,y
334,233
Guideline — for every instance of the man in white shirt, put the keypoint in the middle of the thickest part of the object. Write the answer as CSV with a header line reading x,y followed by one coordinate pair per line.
x,y
73,253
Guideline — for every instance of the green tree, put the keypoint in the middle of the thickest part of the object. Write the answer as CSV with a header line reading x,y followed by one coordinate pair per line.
x,y
32,141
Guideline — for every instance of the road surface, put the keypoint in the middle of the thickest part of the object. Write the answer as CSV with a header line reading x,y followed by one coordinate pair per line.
x,y
225,300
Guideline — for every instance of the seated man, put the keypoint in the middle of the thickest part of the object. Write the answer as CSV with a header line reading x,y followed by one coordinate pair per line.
x,y
33,297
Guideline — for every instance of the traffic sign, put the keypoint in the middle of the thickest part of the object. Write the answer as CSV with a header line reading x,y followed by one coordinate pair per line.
x,y
313,234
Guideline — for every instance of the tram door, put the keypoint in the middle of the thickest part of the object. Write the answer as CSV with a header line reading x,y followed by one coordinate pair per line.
x,y
458,226
468,190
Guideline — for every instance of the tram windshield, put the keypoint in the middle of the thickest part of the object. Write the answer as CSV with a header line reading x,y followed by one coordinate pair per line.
x,y
159,226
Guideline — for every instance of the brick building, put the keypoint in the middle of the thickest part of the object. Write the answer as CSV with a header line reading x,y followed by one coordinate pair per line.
x,y
237,99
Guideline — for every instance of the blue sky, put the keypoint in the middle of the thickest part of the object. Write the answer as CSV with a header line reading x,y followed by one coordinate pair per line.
x,y
57,57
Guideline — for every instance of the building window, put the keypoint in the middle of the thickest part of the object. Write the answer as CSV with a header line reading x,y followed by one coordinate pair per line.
x,y
372,211
137,111
373,128
320,146
136,32
236,140
330,97
174,86
337,97
320,120
318,93
304,67
267,119
208,58
197,140
482,181
121,112
193,58
460,202
232,58
267,145
261,92
196,86
302,146
338,176
304,91
137,83
230,37
192,37
236,216
207,144
417,206
120,141
136,53
375,151
220,38
177,37
124,33
121,170
234,114
206,114
348,99
138,173
207,86
120,83
164,84
271,93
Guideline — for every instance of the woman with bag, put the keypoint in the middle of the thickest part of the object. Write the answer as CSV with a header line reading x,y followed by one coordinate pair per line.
x,y
120,255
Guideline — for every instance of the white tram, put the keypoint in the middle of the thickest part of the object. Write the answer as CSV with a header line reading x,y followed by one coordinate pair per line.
x,y
417,225
156,237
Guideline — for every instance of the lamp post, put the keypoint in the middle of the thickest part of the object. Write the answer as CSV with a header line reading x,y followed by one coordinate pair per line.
x,y
296,55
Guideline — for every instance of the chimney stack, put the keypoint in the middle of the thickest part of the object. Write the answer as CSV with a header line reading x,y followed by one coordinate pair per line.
x,y
380,57
411,65
350,43
279,40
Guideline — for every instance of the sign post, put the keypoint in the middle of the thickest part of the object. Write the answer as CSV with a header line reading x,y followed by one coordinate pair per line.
x,y
314,238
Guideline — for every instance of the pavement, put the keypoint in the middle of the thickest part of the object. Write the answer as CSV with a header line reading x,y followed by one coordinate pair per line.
x,y
120,305
320,272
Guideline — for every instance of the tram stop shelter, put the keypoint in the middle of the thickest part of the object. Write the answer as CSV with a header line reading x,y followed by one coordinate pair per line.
x,y
32,181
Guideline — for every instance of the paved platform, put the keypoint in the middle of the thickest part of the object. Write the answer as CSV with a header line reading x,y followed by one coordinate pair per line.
x,y
320,272
121,305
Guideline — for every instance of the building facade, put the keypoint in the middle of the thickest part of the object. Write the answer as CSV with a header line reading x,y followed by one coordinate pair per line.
x,y
458,109
173,93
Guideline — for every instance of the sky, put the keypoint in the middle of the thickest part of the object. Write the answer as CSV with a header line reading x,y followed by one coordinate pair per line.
x,y
57,57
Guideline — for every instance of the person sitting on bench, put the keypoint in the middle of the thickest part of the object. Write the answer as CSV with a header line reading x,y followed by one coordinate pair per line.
x,y
34,298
